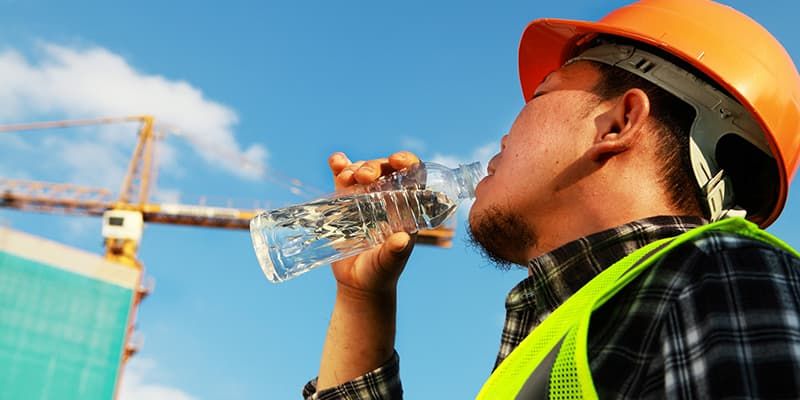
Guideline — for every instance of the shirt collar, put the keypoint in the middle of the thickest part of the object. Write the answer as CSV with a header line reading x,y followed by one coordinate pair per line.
x,y
555,276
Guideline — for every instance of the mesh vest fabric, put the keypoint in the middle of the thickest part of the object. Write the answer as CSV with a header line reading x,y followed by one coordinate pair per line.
x,y
570,376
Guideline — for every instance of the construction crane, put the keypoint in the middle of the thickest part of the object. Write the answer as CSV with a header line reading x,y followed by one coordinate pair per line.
x,y
125,216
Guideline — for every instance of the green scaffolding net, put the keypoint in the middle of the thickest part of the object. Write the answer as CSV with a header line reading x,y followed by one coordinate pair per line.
x,y
62,330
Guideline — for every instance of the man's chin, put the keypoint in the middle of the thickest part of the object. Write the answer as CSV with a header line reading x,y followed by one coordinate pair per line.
x,y
497,234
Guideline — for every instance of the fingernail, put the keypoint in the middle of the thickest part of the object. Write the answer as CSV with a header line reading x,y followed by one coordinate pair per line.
x,y
400,250
400,156
368,170
405,246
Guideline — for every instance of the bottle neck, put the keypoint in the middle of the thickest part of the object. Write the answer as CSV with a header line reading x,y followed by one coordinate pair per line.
x,y
468,176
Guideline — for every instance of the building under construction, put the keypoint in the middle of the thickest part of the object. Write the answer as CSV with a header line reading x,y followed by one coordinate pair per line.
x,y
65,315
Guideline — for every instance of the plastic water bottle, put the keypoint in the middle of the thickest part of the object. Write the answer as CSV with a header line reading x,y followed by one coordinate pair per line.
x,y
290,241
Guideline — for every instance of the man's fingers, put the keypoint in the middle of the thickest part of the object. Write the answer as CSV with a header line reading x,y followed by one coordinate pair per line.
x,y
338,162
348,173
371,170
403,159
395,251
347,176
344,179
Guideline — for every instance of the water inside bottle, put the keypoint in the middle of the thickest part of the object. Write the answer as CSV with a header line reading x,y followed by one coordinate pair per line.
x,y
292,240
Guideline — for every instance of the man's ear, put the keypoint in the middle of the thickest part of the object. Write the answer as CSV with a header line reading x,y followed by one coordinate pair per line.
x,y
619,128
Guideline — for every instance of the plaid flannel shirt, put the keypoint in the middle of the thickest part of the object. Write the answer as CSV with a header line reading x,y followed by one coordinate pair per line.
x,y
715,318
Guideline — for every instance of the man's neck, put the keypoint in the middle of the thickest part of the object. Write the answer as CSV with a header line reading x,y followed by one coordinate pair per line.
x,y
560,227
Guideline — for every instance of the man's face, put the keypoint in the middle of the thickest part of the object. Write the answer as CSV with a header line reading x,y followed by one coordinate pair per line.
x,y
550,133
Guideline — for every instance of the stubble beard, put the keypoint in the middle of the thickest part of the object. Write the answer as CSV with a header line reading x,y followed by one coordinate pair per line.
x,y
497,233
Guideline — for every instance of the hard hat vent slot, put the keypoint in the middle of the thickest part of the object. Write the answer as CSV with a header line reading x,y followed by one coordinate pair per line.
x,y
754,175
645,65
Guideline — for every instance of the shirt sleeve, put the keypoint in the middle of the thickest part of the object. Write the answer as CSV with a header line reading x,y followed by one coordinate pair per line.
x,y
382,383
734,331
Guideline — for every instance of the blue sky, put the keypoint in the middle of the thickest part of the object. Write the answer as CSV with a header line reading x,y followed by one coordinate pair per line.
x,y
272,88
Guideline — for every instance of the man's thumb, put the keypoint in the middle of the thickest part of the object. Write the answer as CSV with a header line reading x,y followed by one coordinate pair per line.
x,y
395,250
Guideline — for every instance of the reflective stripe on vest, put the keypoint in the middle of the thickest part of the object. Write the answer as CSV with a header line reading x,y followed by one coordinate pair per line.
x,y
552,361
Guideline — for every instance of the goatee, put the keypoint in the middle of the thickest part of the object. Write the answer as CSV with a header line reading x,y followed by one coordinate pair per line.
x,y
497,234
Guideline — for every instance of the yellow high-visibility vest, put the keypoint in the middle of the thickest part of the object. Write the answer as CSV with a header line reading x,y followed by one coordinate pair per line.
x,y
552,362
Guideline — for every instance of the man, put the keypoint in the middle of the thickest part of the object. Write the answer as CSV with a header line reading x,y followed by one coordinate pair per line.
x,y
638,131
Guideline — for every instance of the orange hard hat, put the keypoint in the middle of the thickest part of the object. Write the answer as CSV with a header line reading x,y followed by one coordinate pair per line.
x,y
728,47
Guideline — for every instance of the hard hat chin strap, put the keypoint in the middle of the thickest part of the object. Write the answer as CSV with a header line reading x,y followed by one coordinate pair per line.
x,y
716,115
714,189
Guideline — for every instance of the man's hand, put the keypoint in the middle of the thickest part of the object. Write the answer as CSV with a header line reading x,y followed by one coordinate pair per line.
x,y
376,270
361,332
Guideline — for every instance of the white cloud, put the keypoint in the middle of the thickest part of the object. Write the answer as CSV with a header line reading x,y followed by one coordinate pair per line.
x,y
139,382
448,160
165,195
486,152
413,144
90,162
481,153
93,82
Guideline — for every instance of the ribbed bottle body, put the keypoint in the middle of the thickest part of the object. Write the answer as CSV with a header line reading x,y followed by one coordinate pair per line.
x,y
292,240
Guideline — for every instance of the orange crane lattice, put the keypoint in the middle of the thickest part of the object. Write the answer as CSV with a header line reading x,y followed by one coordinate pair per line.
x,y
133,200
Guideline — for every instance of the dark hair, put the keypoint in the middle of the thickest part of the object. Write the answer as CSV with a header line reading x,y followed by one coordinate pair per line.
x,y
674,118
